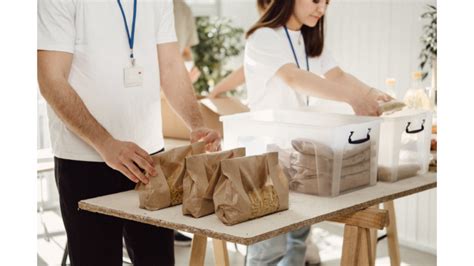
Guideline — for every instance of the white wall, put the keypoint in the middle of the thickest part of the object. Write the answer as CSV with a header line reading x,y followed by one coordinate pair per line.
x,y
377,39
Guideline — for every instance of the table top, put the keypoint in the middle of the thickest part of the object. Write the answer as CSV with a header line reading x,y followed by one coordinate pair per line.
x,y
45,167
304,210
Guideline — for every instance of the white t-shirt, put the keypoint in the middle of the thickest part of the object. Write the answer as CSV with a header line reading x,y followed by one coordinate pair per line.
x,y
94,32
266,51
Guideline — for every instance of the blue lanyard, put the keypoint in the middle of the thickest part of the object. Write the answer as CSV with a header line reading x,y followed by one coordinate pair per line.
x,y
296,58
131,37
293,50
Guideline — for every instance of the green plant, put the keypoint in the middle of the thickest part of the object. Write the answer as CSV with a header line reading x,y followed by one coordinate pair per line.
x,y
219,40
429,38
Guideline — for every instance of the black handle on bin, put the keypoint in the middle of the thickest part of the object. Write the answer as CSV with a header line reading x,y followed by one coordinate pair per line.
x,y
416,130
359,141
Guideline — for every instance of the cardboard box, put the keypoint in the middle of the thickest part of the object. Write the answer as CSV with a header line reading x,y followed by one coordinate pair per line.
x,y
211,110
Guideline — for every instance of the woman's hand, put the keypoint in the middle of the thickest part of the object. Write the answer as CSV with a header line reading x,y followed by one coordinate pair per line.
x,y
381,96
368,104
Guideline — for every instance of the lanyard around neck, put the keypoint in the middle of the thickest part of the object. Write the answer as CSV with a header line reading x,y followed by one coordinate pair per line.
x,y
293,50
130,37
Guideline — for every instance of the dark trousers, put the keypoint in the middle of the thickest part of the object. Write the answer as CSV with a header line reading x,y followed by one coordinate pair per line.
x,y
96,239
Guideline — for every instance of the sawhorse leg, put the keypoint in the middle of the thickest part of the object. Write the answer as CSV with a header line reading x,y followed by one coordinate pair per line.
x,y
392,234
357,246
198,251
374,237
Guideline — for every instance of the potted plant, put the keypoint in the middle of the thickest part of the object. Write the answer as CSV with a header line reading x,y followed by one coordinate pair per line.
x,y
429,50
219,40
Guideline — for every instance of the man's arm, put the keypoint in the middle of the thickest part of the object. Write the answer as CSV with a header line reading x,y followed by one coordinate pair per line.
x,y
179,92
53,72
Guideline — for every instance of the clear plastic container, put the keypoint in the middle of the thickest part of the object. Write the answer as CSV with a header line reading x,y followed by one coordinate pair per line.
x,y
321,154
405,139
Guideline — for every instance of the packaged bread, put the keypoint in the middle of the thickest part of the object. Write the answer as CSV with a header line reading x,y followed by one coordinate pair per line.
x,y
249,187
309,167
404,170
166,188
197,194
391,107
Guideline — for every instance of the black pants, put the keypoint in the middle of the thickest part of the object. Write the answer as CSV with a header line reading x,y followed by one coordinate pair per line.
x,y
96,239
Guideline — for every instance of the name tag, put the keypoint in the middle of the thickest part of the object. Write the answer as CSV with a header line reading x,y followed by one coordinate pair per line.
x,y
133,76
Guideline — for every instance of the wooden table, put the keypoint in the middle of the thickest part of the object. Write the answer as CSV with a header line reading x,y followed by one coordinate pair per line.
x,y
304,210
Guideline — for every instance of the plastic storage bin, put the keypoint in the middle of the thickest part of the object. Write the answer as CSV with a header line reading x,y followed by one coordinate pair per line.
x,y
404,145
321,154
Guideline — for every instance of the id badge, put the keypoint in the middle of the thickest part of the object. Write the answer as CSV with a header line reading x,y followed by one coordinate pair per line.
x,y
133,76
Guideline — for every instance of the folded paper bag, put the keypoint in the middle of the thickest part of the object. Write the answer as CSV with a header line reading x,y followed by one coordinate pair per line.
x,y
166,188
249,187
197,200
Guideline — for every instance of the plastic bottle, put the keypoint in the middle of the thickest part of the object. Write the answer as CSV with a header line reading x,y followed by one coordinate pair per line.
x,y
390,87
416,96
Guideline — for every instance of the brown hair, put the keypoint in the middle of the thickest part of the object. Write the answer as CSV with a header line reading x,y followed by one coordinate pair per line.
x,y
262,5
277,15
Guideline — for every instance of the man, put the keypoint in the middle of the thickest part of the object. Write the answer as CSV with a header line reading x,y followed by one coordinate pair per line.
x,y
100,68
187,37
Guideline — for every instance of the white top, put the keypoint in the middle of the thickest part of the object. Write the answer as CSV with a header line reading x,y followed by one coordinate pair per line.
x,y
94,32
266,51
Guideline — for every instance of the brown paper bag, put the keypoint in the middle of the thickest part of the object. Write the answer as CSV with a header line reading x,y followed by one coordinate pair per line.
x,y
166,188
284,159
384,173
324,166
312,147
250,187
307,182
390,107
312,163
197,200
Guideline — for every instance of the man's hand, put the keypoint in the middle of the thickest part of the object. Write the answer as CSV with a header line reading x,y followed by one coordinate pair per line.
x,y
127,158
211,137
194,74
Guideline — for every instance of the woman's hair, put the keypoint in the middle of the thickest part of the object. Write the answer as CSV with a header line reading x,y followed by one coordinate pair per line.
x,y
277,15
262,5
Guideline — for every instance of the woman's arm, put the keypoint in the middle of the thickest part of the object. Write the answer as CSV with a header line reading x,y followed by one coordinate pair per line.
x,y
232,81
339,76
360,98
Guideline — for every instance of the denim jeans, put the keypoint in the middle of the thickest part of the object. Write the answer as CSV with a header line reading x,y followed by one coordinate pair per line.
x,y
284,250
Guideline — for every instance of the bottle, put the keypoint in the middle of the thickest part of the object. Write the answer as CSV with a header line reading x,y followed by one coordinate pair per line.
x,y
390,87
416,97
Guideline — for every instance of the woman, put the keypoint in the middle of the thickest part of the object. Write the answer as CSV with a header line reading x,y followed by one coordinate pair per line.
x,y
285,63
